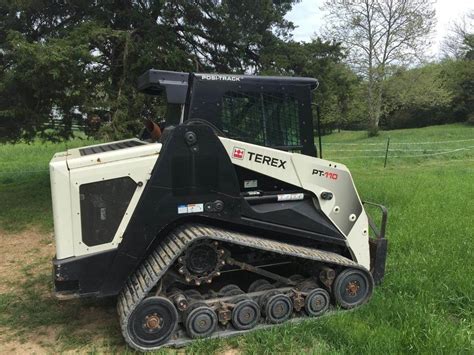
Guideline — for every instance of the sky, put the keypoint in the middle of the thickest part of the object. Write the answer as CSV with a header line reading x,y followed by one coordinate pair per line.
x,y
308,17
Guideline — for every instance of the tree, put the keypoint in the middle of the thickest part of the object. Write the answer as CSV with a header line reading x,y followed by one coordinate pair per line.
x,y
417,97
318,59
380,33
459,43
81,59
458,77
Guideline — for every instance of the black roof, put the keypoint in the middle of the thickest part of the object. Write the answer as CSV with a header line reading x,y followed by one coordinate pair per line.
x,y
176,83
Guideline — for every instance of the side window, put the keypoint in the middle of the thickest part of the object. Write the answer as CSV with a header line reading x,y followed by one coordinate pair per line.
x,y
261,118
103,205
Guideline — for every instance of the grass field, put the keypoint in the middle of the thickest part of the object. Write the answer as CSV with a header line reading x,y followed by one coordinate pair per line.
x,y
425,304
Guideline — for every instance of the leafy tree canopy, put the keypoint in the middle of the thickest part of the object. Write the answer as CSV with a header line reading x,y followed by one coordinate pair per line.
x,y
79,60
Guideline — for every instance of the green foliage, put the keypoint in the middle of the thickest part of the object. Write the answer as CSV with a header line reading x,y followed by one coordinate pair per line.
x,y
65,65
42,79
459,78
322,60
80,61
432,94
416,97
468,46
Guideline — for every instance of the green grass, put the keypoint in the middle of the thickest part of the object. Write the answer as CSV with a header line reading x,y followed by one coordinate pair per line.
x,y
24,184
407,147
425,304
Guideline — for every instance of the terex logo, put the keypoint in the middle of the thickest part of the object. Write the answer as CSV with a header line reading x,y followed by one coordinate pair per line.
x,y
238,153
265,159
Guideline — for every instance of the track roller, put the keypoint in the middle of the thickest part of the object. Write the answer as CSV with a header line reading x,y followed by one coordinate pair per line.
x,y
316,302
246,314
259,285
201,321
277,307
231,290
307,285
296,278
352,288
193,294
152,322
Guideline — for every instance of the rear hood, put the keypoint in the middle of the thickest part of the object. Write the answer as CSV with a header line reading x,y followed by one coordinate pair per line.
x,y
109,152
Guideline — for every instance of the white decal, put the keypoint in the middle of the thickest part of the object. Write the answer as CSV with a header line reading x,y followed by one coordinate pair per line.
x,y
248,184
182,209
191,208
220,77
291,197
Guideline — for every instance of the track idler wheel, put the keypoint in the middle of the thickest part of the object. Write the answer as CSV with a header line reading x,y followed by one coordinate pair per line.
x,y
153,322
245,315
352,288
201,321
316,302
277,307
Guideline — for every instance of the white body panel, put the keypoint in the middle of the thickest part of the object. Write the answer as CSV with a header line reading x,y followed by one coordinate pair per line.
x,y
61,199
344,209
69,170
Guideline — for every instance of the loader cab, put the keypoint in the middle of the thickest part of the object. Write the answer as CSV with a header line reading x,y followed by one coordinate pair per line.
x,y
264,110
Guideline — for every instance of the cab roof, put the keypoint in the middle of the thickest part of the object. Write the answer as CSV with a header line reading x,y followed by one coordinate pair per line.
x,y
175,84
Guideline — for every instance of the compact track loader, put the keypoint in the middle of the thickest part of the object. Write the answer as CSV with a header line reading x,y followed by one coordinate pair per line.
x,y
219,221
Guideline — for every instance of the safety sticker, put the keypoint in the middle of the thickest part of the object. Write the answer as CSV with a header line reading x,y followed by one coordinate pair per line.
x,y
248,184
190,208
290,197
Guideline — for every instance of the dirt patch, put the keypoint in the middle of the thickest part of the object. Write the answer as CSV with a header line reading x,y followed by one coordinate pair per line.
x,y
22,254
9,344
35,323
15,347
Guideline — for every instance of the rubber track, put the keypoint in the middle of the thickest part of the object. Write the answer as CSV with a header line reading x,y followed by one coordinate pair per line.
x,y
163,257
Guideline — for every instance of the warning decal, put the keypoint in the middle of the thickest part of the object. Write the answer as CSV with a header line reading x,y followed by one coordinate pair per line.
x,y
191,208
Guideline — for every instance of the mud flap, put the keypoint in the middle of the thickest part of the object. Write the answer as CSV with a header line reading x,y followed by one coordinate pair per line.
x,y
378,245
378,257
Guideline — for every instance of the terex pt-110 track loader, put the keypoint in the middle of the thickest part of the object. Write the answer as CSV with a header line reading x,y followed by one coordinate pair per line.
x,y
220,221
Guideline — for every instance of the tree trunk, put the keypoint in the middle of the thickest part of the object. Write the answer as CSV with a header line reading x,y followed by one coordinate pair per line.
x,y
375,106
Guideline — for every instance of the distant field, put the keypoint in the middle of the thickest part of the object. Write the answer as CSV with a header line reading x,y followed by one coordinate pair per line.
x,y
407,146
425,304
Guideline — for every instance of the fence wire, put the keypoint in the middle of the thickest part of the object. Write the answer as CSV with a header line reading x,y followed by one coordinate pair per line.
x,y
427,153
401,143
406,156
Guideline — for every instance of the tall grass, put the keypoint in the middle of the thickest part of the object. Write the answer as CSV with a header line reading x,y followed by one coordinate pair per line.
x,y
425,304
